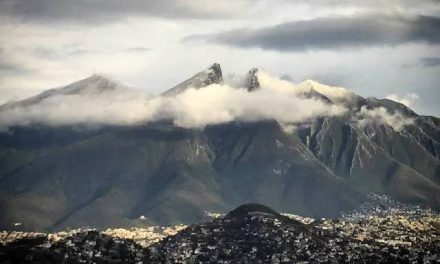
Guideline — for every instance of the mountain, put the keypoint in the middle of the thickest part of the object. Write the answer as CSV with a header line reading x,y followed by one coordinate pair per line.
x,y
376,157
94,85
55,177
211,75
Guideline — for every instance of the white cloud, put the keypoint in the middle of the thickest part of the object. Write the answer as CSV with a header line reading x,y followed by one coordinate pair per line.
x,y
195,108
407,99
124,108
380,115
221,103
288,128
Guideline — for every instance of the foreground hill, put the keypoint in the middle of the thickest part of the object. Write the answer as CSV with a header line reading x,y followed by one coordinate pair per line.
x,y
256,234
381,232
75,175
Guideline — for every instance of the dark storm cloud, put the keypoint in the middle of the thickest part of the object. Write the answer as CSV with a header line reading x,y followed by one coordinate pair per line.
x,y
430,62
85,11
333,33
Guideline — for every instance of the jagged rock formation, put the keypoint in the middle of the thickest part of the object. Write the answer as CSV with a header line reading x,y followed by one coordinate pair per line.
x,y
253,83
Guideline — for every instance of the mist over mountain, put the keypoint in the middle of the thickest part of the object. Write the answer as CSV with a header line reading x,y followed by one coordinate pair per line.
x,y
96,153
99,101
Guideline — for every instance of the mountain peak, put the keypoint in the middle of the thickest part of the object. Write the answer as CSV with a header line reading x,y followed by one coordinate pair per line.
x,y
217,70
213,74
331,92
93,85
251,208
254,209
99,77
253,82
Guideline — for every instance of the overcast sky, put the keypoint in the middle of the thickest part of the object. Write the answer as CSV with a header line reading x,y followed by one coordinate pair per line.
x,y
388,48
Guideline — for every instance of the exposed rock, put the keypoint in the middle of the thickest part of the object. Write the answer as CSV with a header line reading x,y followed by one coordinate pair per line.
x,y
253,83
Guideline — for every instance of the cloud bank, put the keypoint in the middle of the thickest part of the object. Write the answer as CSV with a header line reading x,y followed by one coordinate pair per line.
x,y
194,108
220,104
335,32
97,101
101,11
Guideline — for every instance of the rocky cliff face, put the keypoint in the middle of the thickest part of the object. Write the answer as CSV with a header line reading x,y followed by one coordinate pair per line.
x,y
253,83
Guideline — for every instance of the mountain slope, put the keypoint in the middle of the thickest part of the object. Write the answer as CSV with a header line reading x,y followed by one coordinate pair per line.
x,y
169,175
384,163
377,158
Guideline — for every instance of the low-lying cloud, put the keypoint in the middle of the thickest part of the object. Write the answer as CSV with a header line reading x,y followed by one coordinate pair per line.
x,y
221,104
278,99
380,115
336,32
194,108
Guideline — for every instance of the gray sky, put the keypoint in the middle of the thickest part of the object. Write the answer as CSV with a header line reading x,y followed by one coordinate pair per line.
x,y
376,48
